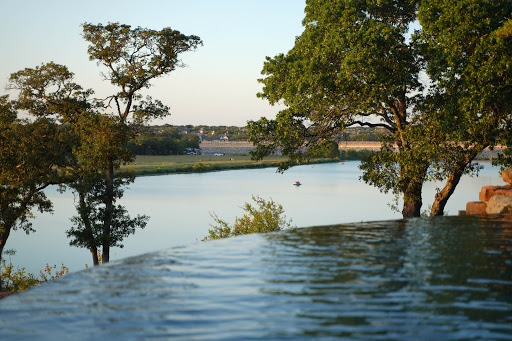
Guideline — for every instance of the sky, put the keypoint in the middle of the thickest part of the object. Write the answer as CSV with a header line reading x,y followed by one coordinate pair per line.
x,y
219,84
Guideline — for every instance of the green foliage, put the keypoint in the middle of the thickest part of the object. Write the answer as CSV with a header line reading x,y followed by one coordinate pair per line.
x,y
162,145
79,141
267,216
18,280
30,155
470,99
49,91
352,66
356,64
133,58
352,154
326,149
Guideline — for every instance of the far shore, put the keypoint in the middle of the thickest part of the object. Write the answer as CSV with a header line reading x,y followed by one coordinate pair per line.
x,y
235,155
176,164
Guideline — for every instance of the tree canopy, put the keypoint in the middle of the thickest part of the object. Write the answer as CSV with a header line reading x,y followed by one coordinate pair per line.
x,y
133,58
30,155
81,141
359,63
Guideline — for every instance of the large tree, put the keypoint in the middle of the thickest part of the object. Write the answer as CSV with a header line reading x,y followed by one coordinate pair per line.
x,y
30,155
357,63
468,47
102,127
353,65
133,58
49,92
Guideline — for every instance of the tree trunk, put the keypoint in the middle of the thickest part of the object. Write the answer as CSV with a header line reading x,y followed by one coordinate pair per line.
x,y
6,230
109,208
94,253
442,196
412,201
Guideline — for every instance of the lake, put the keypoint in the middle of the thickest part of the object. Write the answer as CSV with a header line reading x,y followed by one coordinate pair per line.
x,y
179,206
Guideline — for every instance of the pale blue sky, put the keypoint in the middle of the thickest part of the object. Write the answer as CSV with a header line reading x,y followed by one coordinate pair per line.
x,y
219,85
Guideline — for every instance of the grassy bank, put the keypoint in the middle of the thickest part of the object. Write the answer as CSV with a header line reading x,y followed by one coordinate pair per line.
x,y
169,164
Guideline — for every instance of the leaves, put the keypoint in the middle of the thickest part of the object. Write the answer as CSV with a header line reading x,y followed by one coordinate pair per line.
x,y
82,141
266,217
49,91
134,57
356,63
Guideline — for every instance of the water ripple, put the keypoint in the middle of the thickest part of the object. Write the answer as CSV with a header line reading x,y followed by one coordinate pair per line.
x,y
440,278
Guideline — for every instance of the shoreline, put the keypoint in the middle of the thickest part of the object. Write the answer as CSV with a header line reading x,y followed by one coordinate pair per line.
x,y
208,166
151,165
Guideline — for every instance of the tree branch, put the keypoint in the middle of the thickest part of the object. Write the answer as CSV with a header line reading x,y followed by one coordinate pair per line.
x,y
372,125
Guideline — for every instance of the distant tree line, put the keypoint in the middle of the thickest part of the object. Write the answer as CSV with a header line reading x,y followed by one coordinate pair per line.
x,y
167,142
235,133
205,132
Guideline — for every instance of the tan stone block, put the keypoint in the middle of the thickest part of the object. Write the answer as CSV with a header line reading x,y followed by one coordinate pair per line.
x,y
476,207
488,192
499,204
507,175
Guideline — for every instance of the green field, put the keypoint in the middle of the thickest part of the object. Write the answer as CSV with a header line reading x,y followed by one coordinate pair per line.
x,y
166,164
163,164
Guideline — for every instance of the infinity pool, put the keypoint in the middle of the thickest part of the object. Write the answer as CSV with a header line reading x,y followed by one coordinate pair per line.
x,y
446,278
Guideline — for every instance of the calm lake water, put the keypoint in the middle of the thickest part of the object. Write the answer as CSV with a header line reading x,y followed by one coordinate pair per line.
x,y
180,206
441,278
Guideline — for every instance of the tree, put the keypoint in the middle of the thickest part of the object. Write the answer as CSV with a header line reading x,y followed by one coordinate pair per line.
x,y
132,58
354,65
30,154
470,98
48,92
326,149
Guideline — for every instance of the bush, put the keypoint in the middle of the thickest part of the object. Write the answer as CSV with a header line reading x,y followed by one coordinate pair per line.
x,y
266,217
18,280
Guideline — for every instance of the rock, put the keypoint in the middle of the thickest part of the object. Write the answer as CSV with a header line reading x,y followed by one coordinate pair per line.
x,y
476,207
499,204
507,175
488,192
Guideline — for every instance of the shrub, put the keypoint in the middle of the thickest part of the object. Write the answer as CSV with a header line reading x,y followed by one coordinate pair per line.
x,y
18,280
266,217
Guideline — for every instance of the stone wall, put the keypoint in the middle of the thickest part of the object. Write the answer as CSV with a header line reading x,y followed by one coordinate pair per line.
x,y
236,147
359,145
243,147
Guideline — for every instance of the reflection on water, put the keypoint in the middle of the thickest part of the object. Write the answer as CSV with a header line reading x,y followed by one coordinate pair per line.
x,y
436,278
